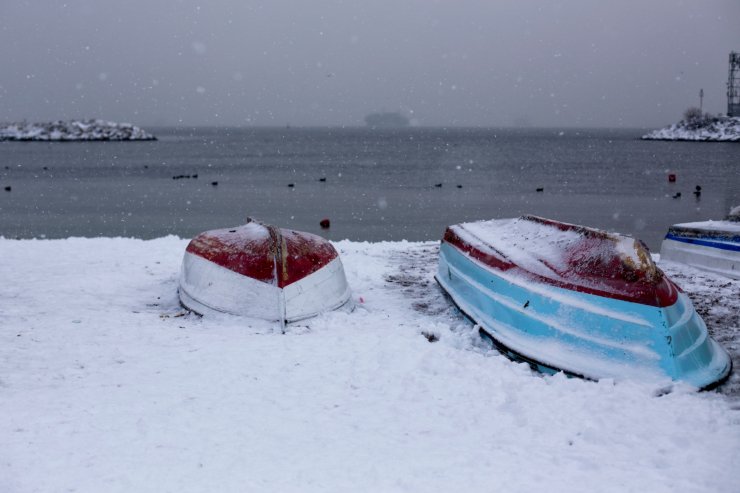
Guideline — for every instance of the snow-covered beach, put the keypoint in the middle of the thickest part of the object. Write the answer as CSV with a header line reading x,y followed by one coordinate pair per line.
x,y
106,384
73,130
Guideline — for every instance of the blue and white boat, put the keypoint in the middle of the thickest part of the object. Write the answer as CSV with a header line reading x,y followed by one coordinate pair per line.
x,y
586,302
713,246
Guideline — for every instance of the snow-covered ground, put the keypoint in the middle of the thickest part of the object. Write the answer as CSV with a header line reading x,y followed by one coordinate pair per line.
x,y
73,130
709,129
106,384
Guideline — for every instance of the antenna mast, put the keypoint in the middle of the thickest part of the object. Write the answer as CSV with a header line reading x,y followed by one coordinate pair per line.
x,y
733,86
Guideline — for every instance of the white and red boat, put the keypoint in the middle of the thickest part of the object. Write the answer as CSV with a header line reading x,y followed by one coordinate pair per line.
x,y
262,271
568,298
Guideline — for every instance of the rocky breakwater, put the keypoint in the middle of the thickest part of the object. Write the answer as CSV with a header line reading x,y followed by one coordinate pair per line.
x,y
74,130
706,129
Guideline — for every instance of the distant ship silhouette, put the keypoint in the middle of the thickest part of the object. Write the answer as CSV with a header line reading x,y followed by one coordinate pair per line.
x,y
386,120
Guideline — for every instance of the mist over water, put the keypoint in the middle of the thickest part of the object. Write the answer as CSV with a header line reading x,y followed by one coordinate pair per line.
x,y
578,63
372,184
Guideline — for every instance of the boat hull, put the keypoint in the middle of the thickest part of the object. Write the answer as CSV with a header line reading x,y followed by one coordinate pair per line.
x,y
262,272
713,246
581,333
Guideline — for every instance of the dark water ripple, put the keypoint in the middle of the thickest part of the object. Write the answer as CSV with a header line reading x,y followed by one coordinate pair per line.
x,y
380,185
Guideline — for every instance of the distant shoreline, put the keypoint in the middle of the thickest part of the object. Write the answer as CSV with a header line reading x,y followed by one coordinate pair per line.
x,y
73,131
711,129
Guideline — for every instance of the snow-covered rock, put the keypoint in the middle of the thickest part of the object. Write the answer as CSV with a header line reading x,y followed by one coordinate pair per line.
x,y
73,130
718,129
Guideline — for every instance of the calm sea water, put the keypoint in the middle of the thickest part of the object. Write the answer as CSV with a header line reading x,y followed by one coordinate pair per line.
x,y
379,185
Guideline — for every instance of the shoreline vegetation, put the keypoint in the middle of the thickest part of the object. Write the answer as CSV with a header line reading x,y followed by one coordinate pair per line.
x,y
72,130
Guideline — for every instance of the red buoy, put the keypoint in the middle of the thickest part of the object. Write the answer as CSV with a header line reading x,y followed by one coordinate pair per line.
x,y
672,178
325,223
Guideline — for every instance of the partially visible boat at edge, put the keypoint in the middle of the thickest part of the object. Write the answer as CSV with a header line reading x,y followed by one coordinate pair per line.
x,y
262,271
579,300
713,246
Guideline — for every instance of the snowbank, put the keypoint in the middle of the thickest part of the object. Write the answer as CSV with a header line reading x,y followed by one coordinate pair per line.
x,y
707,129
106,384
72,130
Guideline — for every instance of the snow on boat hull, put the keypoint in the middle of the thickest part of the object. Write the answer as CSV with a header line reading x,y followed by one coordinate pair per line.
x,y
558,323
262,272
713,246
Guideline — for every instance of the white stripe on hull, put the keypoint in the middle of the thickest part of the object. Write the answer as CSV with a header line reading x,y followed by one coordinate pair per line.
x,y
723,262
206,286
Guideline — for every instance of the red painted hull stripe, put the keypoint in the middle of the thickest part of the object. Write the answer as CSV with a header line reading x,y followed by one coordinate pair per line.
x,y
661,294
279,256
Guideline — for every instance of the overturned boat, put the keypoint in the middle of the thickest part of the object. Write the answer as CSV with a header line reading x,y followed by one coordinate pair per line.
x,y
262,271
568,298
713,246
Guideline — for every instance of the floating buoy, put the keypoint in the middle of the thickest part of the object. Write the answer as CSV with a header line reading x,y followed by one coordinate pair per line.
x,y
672,178
325,223
214,183
291,185
459,186
322,179
8,188
541,189
438,185
677,196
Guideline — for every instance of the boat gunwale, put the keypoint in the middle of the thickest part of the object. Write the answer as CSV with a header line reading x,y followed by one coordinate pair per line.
x,y
718,242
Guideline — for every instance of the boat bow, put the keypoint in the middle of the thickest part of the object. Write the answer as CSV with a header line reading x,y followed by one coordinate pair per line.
x,y
262,271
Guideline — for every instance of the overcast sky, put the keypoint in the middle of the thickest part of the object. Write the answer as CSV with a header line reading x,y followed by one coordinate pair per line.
x,y
635,63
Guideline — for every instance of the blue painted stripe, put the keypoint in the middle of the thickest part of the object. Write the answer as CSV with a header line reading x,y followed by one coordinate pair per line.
x,y
733,247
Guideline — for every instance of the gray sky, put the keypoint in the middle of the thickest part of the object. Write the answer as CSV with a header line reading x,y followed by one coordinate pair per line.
x,y
636,63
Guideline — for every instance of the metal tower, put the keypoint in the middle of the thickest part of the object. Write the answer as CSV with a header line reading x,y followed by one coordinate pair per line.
x,y
733,86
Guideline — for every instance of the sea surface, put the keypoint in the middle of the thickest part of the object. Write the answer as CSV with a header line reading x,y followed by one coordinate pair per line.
x,y
371,184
